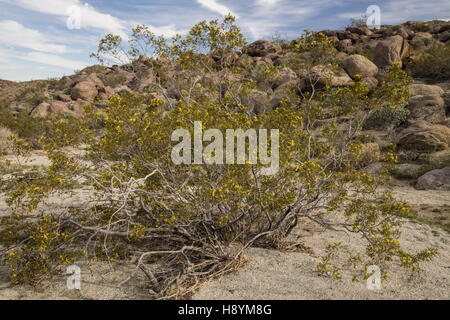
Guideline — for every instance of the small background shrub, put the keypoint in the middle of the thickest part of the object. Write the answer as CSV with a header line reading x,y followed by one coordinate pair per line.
x,y
386,117
434,63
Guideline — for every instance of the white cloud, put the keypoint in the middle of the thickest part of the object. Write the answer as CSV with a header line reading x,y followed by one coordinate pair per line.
x,y
53,60
271,16
400,11
14,34
90,17
215,6
168,31
267,2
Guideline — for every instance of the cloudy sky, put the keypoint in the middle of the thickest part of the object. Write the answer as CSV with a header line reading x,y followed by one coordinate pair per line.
x,y
39,39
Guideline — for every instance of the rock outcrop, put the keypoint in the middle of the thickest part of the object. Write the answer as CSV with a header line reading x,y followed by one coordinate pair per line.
x,y
391,50
425,137
438,179
359,65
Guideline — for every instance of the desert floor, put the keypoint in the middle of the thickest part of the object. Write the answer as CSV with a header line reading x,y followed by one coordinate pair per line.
x,y
272,274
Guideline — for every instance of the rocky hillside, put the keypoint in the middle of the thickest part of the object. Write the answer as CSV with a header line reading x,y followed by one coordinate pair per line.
x,y
420,129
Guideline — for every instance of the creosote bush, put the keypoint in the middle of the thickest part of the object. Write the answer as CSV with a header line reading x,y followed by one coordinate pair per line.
x,y
387,117
433,63
181,224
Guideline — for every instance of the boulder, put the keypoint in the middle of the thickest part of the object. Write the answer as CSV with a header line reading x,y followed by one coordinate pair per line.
x,y
446,123
445,27
287,90
371,82
403,32
345,45
324,75
144,77
57,107
106,93
420,37
45,110
438,179
391,50
286,75
244,61
444,36
407,170
425,137
257,101
40,111
425,90
78,107
87,87
362,31
341,56
358,64
262,48
84,90
93,78
64,97
122,89
225,57
429,108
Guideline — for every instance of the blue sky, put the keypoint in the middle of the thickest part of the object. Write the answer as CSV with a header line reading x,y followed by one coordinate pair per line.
x,y
36,43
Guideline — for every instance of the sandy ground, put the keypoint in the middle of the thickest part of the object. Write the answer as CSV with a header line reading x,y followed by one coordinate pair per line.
x,y
271,274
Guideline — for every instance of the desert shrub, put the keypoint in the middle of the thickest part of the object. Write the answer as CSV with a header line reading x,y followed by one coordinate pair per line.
x,y
113,80
359,22
265,75
176,222
433,161
31,129
25,126
386,117
5,135
434,63
419,27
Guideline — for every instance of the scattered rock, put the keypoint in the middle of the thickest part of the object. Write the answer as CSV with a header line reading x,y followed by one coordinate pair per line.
x,y
44,109
262,48
225,58
324,75
391,50
345,45
359,65
360,30
64,97
438,179
142,79
87,88
84,90
407,170
41,110
78,107
257,101
429,108
425,90
57,107
286,75
425,137
371,82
